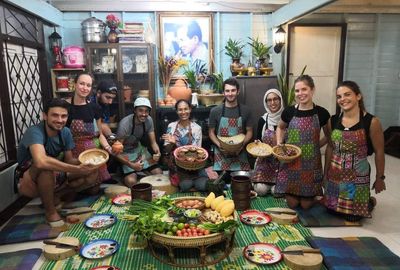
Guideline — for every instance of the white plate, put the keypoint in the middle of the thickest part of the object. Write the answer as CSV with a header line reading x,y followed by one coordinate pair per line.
x,y
262,253
99,249
127,64
100,221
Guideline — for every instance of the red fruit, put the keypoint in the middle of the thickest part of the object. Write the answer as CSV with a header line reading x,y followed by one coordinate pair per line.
x,y
185,234
187,225
200,234
206,232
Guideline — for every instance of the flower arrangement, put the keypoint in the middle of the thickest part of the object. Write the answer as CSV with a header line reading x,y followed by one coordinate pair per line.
x,y
112,21
168,67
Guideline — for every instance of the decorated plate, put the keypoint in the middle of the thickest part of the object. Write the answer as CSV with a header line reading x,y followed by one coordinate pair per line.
x,y
254,217
100,221
99,249
122,199
127,64
105,267
262,253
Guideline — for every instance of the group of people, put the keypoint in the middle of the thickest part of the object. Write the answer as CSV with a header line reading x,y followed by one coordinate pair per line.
x,y
49,168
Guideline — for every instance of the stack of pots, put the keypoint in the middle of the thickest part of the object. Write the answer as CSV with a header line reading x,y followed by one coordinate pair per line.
x,y
93,30
241,188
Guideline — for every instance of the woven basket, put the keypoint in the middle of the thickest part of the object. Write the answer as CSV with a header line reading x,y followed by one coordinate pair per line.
x,y
93,153
177,200
190,165
278,152
210,99
187,242
259,149
231,144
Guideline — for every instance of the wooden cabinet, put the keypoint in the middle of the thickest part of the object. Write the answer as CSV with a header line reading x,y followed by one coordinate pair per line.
x,y
130,66
252,91
62,81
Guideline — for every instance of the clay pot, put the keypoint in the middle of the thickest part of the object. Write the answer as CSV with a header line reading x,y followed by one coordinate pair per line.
x,y
180,90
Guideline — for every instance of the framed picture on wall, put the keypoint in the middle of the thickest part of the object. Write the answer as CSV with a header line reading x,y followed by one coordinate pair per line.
x,y
187,36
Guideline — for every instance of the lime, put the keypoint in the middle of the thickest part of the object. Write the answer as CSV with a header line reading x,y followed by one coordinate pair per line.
x,y
174,229
170,233
182,219
181,226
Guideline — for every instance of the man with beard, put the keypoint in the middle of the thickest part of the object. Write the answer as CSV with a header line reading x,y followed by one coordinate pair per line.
x,y
46,168
136,131
226,120
106,93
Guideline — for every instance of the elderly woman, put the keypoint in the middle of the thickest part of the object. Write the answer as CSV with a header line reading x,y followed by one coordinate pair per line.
x,y
266,168
179,133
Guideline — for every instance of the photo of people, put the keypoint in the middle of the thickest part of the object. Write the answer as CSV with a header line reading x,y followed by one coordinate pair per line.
x,y
187,38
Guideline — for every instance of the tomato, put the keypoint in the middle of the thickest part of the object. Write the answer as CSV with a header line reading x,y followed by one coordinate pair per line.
x,y
206,232
178,233
187,225
200,230
200,234
185,234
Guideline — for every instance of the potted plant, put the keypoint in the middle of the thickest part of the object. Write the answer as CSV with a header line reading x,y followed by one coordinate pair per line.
x,y
234,49
283,86
260,50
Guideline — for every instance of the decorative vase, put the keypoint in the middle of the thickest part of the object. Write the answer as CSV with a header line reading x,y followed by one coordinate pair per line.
x,y
112,35
180,90
235,65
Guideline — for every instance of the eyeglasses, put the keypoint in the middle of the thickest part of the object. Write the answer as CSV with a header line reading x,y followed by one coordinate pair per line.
x,y
270,100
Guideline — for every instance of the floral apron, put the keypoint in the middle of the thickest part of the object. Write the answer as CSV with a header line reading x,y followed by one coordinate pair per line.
x,y
303,176
230,127
86,137
139,152
266,168
349,172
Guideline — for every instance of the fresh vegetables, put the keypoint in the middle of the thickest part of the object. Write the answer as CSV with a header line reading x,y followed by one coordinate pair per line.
x,y
190,204
192,213
209,199
225,227
216,201
158,207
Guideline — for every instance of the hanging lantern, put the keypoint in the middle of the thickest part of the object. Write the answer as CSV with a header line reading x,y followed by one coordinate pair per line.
x,y
279,39
55,47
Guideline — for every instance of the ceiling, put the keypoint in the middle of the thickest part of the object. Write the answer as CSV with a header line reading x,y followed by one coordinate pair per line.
x,y
362,6
264,6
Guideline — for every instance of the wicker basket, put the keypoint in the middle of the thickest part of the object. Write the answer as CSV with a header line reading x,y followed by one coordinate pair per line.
x,y
279,153
259,149
177,200
190,165
86,155
231,144
210,99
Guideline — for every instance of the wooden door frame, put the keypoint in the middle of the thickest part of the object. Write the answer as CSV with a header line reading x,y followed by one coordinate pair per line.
x,y
343,36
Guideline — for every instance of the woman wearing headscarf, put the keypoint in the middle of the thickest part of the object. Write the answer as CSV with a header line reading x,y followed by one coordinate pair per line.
x,y
266,168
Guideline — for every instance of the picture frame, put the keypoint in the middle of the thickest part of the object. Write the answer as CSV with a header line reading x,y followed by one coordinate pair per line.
x,y
187,36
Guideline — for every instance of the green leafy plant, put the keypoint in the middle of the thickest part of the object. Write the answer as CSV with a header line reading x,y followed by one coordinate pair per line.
x,y
191,77
234,48
283,86
218,79
260,50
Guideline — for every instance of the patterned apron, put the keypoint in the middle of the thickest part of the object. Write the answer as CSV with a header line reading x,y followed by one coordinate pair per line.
x,y
139,152
230,127
349,172
302,177
87,137
266,169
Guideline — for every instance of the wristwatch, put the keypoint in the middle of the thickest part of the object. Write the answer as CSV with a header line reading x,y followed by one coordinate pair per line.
x,y
382,177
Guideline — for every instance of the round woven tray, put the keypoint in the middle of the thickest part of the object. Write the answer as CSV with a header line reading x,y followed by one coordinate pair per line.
x,y
231,144
278,152
259,149
190,165
93,153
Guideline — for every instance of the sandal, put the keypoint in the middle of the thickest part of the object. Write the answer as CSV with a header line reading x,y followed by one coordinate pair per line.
x,y
58,224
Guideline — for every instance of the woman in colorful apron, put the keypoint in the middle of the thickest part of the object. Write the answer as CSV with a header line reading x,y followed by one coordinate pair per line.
x,y
301,180
266,169
84,122
135,151
348,174
179,133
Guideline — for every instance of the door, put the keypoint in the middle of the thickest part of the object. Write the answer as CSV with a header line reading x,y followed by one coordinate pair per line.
x,y
321,49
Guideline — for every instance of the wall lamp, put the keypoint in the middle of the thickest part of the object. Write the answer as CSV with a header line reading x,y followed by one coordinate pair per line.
x,y
279,39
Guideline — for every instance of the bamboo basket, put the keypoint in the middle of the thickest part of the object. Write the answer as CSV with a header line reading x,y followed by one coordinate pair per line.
x,y
231,144
190,165
259,149
93,153
278,152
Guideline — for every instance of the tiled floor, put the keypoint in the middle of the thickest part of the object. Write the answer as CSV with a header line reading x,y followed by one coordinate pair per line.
x,y
384,224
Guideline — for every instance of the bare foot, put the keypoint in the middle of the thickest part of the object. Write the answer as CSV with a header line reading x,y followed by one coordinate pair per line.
x,y
51,217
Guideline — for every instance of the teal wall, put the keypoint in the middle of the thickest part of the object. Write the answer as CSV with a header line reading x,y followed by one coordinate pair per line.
x,y
226,25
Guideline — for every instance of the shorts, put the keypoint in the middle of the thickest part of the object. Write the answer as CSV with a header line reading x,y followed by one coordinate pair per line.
x,y
28,187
